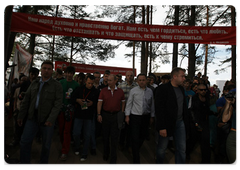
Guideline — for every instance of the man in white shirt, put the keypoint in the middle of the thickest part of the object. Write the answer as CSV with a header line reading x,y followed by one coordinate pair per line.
x,y
139,109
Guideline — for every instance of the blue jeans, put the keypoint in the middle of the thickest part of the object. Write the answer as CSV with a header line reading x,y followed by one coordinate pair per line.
x,y
180,144
30,130
77,128
93,133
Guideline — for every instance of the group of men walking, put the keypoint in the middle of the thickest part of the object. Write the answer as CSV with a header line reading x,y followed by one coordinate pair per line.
x,y
48,100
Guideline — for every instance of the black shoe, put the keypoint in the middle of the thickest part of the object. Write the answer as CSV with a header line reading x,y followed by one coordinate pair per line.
x,y
93,152
188,156
105,157
120,147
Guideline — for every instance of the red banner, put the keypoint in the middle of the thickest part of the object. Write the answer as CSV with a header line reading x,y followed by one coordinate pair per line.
x,y
85,68
39,24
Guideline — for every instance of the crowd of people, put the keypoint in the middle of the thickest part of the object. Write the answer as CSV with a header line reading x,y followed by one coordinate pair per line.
x,y
85,106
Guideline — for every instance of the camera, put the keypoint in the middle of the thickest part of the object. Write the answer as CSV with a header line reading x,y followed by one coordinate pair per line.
x,y
231,95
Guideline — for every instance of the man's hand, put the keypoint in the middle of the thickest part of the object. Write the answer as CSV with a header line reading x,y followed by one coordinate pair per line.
x,y
127,119
89,103
48,124
230,100
99,118
80,101
20,122
151,120
163,133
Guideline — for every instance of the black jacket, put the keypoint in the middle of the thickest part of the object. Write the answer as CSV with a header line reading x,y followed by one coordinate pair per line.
x,y
200,111
166,108
92,95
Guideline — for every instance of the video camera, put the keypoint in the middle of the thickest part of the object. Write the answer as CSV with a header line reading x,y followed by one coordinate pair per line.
x,y
231,95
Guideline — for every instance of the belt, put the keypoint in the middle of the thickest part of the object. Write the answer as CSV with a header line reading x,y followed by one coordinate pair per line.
x,y
111,113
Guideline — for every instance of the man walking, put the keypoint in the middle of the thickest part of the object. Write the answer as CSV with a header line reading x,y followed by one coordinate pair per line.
x,y
109,104
139,109
65,118
199,131
41,105
171,116
125,131
85,99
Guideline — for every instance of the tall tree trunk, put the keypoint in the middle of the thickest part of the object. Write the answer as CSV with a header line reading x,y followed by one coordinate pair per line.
x,y
134,19
191,51
72,43
175,45
7,35
54,35
32,46
206,49
13,34
233,23
143,57
150,50
147,43
32,39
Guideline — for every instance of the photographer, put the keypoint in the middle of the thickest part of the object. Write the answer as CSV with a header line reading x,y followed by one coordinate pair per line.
x,y
230,113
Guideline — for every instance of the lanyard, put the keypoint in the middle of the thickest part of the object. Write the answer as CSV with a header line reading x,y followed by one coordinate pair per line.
x,y
87,94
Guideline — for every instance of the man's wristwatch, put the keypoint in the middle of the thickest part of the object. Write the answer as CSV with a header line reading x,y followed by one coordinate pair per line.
x,y
98,114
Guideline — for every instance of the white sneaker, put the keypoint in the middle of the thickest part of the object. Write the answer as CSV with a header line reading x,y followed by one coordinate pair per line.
x,y
83,158
76,153
63,157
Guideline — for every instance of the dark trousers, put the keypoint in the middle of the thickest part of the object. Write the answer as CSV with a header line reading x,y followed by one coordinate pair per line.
x,y
220,148
139,131
18,129
125,136
231,146
30,130
204,138
110,131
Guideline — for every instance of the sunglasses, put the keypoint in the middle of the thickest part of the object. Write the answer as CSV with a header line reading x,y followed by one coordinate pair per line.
x,y
202,89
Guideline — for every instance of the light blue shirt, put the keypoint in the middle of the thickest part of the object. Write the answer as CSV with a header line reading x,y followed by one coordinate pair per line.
x,y
140,102
39,91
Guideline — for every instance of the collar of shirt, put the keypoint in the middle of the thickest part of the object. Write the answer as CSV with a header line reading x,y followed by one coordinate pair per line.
x,y
126,83
142,88
41,81
111,90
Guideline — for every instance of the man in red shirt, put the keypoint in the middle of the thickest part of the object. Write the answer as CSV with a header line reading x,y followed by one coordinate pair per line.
x,y
110,102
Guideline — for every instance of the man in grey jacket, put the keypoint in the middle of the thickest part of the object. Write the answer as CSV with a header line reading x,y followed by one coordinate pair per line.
x,y
41,105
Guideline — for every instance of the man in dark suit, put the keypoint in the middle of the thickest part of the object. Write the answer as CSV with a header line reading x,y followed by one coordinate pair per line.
x,y
171,116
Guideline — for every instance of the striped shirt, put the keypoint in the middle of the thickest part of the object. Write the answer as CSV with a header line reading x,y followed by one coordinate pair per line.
x,y
126,88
